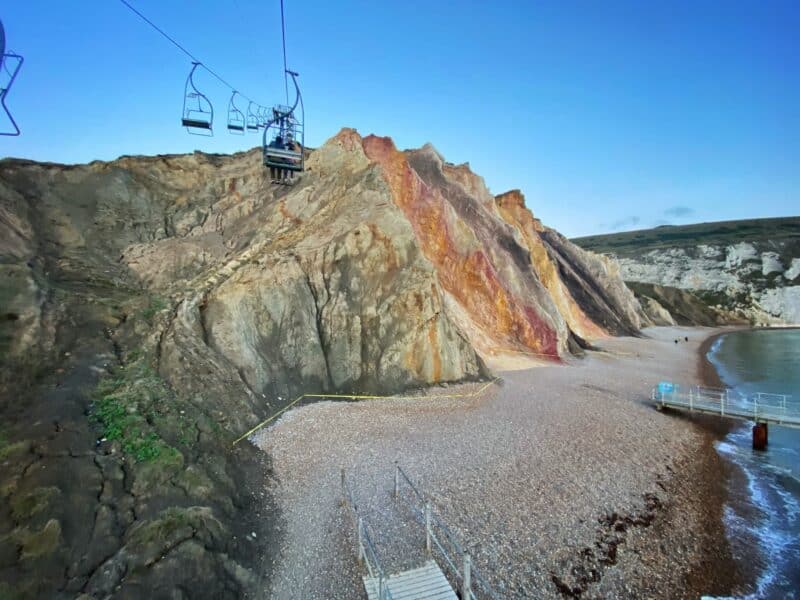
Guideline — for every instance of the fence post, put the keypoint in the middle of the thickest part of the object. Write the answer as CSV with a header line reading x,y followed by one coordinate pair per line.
x,y
361,554
466,592
396,479
428,527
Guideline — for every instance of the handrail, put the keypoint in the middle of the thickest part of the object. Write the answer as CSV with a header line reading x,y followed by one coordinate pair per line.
x,y
366,547
758,406
468,574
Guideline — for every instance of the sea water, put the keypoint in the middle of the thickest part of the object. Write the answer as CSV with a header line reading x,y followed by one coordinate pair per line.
x,y
765,361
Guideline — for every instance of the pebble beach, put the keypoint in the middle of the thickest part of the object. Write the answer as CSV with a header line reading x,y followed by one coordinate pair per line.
x,y
561,480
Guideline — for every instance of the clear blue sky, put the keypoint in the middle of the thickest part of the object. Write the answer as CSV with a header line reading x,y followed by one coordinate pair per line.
x,y
608,115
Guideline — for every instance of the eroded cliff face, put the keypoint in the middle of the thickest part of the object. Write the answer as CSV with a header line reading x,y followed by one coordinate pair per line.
x,y
381,270
754,280
586,287
746,270
179,300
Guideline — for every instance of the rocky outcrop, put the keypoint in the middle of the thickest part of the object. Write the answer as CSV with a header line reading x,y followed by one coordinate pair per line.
x,y
666,305
179,300
586,287
749,270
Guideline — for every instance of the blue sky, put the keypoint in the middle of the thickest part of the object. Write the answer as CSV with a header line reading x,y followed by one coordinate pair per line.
x,y
608,115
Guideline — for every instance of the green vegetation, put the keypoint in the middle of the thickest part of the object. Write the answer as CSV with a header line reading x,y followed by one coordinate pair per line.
x,y
40,543
130,407
24,506
9,449
629,243
156,305
169,523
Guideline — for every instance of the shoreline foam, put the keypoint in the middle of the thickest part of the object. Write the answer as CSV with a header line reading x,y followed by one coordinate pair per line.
x,y
753,513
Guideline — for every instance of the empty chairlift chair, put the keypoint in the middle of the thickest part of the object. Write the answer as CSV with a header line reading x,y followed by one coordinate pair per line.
x,y
263,116
10,64
284,139
198,113
253,121
236,121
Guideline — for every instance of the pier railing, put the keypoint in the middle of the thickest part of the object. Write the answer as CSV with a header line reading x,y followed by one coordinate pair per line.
x,y
440,540
760,406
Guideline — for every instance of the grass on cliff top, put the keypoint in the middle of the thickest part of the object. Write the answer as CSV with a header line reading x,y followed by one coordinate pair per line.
x,y
671,236
127,407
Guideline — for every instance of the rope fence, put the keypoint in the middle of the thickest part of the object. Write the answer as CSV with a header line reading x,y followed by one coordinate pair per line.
x,y
361,397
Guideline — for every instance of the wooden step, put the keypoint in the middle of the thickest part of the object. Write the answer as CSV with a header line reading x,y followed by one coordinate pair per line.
x,y
424,583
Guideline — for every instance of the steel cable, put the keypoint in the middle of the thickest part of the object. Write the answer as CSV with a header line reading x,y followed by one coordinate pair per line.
x,y
189,54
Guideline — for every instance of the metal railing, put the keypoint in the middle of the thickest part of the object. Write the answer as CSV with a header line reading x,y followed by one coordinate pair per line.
x,y
439,536
367,555
759,406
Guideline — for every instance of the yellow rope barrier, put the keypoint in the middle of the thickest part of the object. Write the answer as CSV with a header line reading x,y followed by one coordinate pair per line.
x,y
356,397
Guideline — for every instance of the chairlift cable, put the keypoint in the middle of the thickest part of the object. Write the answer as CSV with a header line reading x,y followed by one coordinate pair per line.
x,y
184,50
283,34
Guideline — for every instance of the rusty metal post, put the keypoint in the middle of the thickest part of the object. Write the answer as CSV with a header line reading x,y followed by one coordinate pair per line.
x,y
760,435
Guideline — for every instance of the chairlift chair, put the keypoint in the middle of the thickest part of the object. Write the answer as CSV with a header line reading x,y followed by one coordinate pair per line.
x,y
252,118
10,64
198,112
236,120
263,116
284,138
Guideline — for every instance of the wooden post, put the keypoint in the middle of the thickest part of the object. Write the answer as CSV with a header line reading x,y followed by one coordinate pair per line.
x,y
466,591
428,527
760,435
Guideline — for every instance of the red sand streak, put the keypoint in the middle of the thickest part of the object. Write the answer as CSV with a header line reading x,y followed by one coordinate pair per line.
x,y
470,278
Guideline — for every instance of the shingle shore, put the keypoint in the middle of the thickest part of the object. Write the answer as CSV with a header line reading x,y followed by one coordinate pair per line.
x,y
559,480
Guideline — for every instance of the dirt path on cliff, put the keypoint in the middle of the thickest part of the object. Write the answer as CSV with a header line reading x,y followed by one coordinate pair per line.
x,y
560,480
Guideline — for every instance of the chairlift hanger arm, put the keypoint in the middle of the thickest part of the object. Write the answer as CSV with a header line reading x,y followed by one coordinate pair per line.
x,y
298,98
190,78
